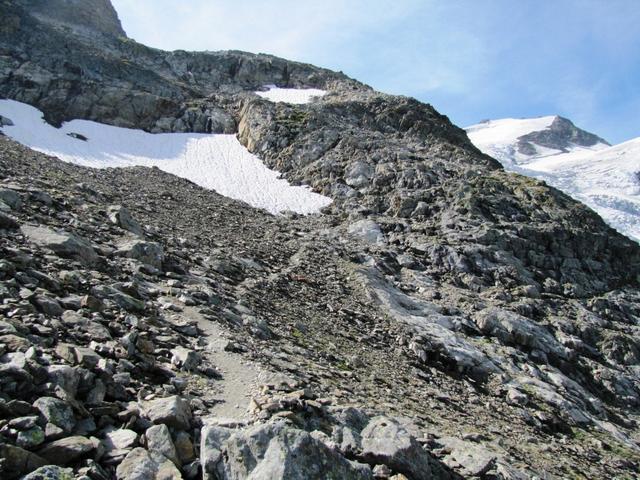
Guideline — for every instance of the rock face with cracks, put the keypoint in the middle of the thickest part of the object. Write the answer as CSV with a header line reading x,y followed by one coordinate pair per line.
x,y
441,319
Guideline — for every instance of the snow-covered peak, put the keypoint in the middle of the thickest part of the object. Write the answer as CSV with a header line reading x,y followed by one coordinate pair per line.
x,y
290,95
521,141
217,162
579,163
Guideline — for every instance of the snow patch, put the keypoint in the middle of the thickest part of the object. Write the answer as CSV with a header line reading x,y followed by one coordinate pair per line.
x,y
217,162
290,95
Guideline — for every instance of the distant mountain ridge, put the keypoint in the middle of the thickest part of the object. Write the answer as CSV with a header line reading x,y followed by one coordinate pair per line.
x,y
562,135
526,139
580,163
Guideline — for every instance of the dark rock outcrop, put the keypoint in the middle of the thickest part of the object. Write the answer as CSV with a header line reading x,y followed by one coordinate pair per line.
x,y
561,135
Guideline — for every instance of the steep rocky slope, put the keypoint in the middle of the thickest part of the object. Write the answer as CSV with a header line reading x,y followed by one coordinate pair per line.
x,y
442,319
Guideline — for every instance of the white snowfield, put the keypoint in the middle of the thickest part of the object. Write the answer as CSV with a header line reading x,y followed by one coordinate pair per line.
x,y
217,162
290,95
605,178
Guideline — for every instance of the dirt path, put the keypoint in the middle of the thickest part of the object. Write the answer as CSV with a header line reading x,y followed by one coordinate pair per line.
x,y
241,378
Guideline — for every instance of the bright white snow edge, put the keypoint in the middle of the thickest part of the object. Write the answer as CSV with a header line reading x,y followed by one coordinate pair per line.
x,y
602,177
217,162
290,95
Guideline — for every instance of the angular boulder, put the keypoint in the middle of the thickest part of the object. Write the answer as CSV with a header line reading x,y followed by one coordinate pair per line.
x,y
142,465
149,253
159,440
278,452
384,441
172,411
17,461
63,244
57,412
120,216
68,450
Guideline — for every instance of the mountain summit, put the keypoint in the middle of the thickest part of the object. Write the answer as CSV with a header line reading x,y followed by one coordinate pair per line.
x,y
224,265
523,140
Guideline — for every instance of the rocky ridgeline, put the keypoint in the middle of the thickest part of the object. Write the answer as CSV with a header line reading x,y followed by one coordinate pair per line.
x,y
441,319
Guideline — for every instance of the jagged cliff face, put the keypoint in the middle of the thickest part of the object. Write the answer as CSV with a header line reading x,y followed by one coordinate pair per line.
x,y
118,81
81,16
436,286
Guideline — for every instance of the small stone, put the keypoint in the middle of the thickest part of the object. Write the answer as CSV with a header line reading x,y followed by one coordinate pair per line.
x,y
121,217
185,359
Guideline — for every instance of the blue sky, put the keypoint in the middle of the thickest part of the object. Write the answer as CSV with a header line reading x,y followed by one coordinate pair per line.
x,y
471,59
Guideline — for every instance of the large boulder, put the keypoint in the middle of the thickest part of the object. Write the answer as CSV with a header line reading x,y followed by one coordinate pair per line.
x,y
159,440
11,198
63,244
212,439
17,461
150,253
384,441
367,230
142,465
514,329
121,439
278,452
172,411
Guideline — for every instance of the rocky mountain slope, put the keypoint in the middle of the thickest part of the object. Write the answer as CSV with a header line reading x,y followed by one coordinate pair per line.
x,y
442,318
582,165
